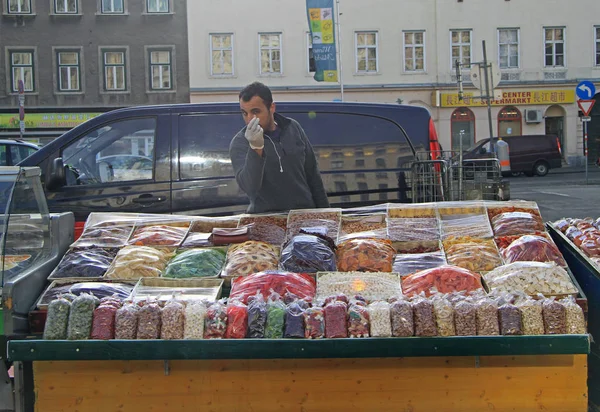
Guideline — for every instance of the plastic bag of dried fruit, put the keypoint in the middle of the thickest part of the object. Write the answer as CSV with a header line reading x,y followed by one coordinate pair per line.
x,y
314,320
149,320
275,316
301,285
509,316
358,319
103,321
465,317
126,321
401,314
257,315
487,316
365,255
555,317
380,318
533,249
443,279
531,314
195,313
308,253
237,320
250,257
294,319
57,319
516,223
336,320
215,322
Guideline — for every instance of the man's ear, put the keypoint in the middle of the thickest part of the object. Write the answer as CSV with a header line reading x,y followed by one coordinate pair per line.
x,y
272,108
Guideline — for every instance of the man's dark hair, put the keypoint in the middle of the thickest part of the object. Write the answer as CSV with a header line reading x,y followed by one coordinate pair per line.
x,y
257,89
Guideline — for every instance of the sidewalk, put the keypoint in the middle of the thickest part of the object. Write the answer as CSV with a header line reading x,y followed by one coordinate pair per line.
x,y
575,169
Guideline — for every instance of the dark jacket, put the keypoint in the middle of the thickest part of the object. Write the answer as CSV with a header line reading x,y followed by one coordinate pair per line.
x,y
285,177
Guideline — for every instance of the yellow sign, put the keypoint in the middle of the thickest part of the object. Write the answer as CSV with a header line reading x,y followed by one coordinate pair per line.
x,y
45,120
513,98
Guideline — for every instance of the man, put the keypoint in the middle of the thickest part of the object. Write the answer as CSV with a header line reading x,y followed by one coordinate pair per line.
x,y
272,158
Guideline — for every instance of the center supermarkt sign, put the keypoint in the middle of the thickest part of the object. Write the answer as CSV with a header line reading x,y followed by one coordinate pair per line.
x,y
513,97
45,120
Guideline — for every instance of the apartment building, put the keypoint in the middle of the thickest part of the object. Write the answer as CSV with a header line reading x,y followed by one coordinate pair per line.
x,y
405,52
78,58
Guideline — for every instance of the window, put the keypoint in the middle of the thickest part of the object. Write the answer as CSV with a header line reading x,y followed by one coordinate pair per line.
x,y
461,47
554,45
68,71
311,65
65,6
380,162
21,68
3,156
383,195
126,152
19,6
366,52
270,53
342,187
160,70
158,6
18,152
359,163
221,54
337,164
509,121
113,6
597,36
363,187
414,51
462,128
114,70
508,48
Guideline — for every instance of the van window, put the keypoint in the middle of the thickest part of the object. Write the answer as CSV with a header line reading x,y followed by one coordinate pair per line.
x,y
118,152
19,152
204,144
3,160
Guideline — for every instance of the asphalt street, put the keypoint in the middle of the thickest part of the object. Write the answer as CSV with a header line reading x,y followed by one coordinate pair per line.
x,y
561,193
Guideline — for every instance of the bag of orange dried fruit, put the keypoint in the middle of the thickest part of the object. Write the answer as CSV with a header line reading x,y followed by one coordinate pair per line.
x,y
365,255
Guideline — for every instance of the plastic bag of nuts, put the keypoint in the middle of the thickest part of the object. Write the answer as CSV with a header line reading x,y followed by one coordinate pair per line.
x,y
531,315
575,316
401,314
194,314
381,322
509,316
555,317
487,317
126,321
465,318
173,317
425,324
444,315
57,320
149,320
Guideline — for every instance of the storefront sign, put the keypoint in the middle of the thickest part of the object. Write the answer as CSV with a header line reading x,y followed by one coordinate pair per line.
x,y
511,97
45,120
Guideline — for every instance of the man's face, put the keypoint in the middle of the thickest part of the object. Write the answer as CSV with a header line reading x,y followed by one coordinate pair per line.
x,y
256,107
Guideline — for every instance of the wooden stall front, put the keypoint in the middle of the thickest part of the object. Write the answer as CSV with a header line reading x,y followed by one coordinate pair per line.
x,y
480,373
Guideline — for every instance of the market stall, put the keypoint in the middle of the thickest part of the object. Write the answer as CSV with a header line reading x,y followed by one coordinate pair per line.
x,y
425,307
579,242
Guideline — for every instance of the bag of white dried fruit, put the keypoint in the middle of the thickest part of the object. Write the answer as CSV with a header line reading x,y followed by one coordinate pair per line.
x,y
381,322
444,315
194,315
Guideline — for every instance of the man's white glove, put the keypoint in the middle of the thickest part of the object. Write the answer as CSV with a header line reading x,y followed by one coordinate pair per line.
x,y
254,134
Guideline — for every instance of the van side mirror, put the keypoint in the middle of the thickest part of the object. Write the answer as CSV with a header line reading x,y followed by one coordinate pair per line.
x,y
482,150
55,176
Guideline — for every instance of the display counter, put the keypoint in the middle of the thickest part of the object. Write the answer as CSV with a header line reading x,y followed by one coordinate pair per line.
x,y
442,373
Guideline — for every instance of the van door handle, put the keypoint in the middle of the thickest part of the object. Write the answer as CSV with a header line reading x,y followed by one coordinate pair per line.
x,y
148,199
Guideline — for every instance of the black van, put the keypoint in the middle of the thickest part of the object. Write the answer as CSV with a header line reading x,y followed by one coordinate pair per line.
x,y
531,154
175,158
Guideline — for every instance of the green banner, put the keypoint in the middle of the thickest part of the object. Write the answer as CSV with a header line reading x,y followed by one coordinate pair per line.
x,y
45,120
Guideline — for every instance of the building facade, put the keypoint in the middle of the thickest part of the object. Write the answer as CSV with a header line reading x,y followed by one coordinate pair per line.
x,y
404,52
77,58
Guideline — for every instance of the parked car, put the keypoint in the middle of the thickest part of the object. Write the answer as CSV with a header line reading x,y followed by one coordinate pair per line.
x,y
14,151
182,152
530,154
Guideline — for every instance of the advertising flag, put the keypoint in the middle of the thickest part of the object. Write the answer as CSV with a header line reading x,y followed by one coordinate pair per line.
x,y
321,24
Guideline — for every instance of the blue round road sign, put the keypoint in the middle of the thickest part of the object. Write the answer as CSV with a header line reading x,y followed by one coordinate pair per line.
x,y
585,90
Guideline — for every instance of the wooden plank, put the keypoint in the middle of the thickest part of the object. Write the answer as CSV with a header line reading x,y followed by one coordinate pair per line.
x,y
34,350
523,383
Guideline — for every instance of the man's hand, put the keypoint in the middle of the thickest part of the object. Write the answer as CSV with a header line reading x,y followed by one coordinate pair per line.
x,y
254,134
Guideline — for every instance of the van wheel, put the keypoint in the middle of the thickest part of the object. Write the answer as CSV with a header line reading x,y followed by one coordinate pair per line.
x,y
541,168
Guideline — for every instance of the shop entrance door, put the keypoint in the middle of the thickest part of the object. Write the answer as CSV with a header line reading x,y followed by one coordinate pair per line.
x,y
594,132
555,126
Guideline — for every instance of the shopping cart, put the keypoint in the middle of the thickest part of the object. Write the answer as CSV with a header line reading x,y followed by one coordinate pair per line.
x,y
449,179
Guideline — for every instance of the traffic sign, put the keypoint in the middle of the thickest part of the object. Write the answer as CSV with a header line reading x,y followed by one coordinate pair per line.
x,y
586,106
494,76
585,90
586,119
